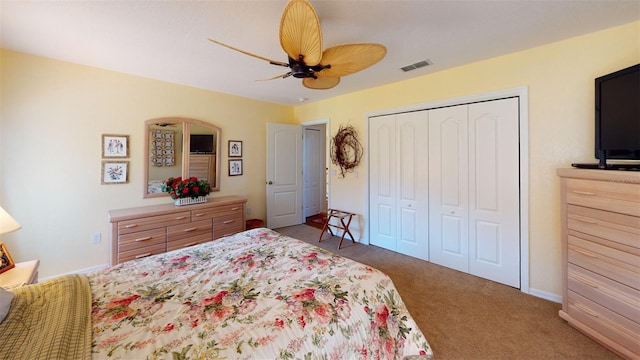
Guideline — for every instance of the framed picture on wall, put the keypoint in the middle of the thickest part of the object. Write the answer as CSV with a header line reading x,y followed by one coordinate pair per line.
x,y
115,172
235,167
235,148
115,146
6,262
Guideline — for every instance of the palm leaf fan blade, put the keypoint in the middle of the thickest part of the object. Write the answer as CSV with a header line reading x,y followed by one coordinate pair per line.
x,y
281,76
321,82
300,32
350,58
274,62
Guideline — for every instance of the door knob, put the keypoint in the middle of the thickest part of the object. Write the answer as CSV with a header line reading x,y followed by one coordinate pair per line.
x,y
270,182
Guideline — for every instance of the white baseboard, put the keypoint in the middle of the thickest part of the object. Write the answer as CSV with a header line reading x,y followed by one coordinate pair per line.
x,y
545,295
80,271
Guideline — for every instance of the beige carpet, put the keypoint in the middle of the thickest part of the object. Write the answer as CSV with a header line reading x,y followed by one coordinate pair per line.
x,y
466,317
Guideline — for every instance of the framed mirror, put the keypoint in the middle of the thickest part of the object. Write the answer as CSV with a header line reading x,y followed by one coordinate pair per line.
x,y
180,147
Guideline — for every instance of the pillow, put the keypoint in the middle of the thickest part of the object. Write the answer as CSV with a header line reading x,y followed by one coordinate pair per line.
x,y
5,302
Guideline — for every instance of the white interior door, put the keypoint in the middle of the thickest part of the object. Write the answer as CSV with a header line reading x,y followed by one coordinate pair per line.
x,y
494,201
448,187
398,177
382,182
313,170
284,175
412,172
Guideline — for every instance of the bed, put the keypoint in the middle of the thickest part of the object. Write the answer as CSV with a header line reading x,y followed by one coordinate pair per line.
x,y
254,295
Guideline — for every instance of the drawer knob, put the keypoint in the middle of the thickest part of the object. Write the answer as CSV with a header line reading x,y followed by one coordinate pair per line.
x,y
143,255
228,222
190,244
235,208
181,217
584,281
198,214
131,226
190,229
588,311
586,252
583,192
144,238
585,220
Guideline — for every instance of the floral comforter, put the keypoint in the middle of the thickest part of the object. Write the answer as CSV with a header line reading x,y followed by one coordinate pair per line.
x,y
254,295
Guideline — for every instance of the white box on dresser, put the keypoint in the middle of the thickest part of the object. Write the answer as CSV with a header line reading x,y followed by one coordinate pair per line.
x,y
600,212
149,230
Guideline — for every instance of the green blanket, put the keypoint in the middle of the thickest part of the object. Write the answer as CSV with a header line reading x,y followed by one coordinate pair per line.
x,y
50,320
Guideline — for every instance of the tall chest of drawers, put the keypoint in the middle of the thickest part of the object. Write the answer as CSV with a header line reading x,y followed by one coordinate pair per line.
x,y
150,230
601,256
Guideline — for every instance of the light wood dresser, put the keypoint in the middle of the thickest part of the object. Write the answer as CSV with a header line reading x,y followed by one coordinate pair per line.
x,y
601,256
150,230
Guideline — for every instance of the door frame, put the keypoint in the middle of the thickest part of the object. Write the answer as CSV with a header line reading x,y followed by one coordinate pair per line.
x,y
522,93
327,126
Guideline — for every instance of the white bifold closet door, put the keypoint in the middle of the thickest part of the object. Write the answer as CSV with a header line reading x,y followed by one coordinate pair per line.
x,y
474,189
398,178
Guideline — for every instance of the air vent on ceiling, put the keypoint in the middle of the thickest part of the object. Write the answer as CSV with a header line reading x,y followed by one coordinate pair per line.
x,y
417,65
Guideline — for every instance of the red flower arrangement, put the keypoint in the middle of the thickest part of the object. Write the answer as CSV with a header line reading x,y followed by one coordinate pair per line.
x,y
191,187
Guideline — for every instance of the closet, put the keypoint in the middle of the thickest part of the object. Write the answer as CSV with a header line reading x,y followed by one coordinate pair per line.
x,y
446,181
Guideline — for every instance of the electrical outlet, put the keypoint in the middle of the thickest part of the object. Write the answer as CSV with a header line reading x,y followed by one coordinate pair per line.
x,y
248,211
96,238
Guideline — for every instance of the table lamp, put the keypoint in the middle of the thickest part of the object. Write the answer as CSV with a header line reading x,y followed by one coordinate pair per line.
x,y
7,225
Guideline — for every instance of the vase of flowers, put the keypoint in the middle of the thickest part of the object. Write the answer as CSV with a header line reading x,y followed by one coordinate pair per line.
x,y
187,191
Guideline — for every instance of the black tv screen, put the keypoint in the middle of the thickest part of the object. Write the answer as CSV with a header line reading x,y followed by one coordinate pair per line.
x,y
617,127
201,144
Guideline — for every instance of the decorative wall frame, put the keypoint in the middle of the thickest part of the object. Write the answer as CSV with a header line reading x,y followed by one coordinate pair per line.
x,y
115,172
115,146
235,167
235,148
6,262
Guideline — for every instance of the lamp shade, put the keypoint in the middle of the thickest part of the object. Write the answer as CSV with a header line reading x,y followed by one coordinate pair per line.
x,y
7,223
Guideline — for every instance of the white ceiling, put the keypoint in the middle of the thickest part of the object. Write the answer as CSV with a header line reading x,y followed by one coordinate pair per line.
x,y
167,40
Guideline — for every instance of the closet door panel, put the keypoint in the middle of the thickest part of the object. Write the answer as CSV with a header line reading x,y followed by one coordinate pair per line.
x,y
494,238
412,171
382,182
448,187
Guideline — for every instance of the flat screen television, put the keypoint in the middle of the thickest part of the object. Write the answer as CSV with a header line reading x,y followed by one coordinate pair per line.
x,y
617,118
201,144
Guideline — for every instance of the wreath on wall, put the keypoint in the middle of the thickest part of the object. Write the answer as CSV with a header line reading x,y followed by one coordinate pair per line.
x,y
346,150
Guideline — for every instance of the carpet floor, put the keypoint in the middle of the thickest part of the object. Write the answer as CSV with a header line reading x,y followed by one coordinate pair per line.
x,y
464,316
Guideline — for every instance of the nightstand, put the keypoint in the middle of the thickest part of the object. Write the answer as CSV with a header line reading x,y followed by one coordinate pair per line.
x,y
23,273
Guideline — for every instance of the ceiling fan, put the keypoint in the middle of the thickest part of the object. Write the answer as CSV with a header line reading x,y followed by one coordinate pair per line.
x,y
301,39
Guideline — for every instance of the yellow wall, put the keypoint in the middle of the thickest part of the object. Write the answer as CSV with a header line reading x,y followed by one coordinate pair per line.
x,y
560,78
53,114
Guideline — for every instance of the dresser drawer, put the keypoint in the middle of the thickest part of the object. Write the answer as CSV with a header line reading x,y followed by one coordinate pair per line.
x,y
141,239
618,197
142,252
619,298
615,227
609,262
617,328
152,222
197,232
227,225
223,210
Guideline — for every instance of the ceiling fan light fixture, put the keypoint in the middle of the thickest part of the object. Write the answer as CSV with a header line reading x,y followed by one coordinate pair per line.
x,y
301,39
